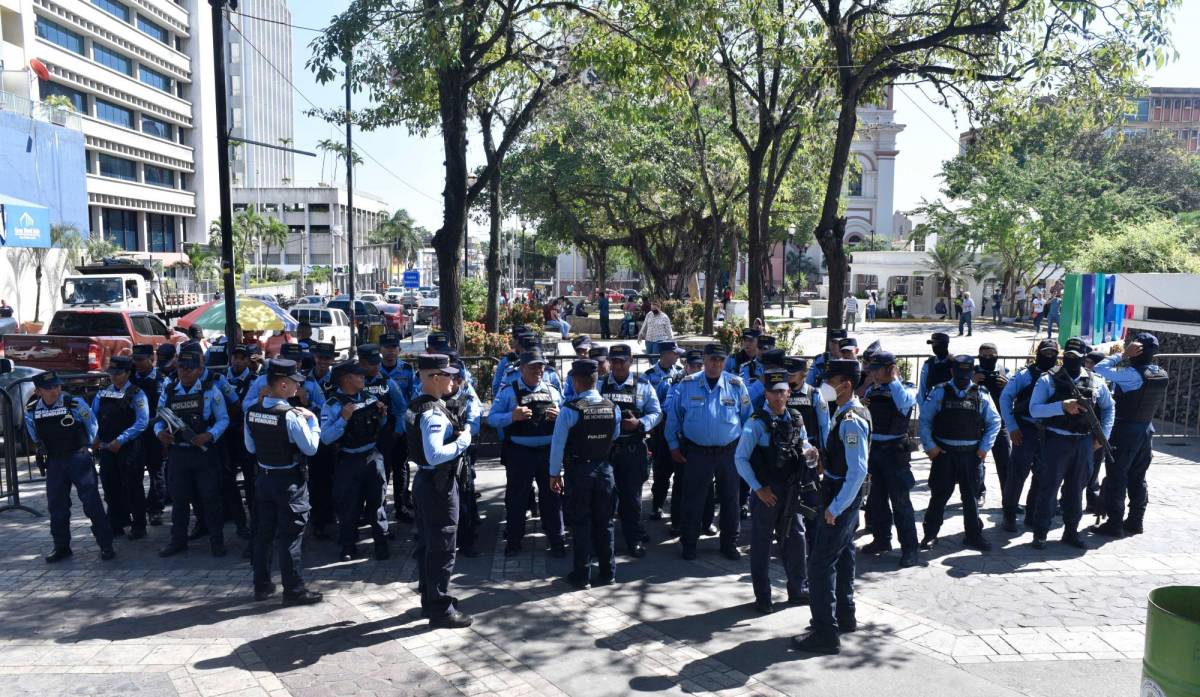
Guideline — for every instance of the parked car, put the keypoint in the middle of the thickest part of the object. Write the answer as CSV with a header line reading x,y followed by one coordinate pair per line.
x,y
394,294
84,340
309,300
366,316
427,307
369,297
410,299
330,325
397,318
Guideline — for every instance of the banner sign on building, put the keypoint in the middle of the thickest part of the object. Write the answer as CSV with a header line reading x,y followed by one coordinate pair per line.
x,y
24,225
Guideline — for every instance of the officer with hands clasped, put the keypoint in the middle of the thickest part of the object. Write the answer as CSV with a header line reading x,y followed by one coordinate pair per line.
x,y
773,456
63,427
831,560
438,443
890,401
123,414
640,413
277,434
1060,399
352,420
958,426
583,438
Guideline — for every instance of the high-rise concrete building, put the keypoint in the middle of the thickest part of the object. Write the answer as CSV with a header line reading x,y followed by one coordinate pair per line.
x,y
138,72
258,65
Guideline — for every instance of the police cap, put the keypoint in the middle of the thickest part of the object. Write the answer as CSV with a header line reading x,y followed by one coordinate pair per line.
x,y
795,364
847,368
1076,346
584,367
436,361
598,352
347,367
665,346
47,379
324,349
620,352
291,351
766,342
143,351
581,341
532,357
774,357
389,341
165,352
284,367
120,364
715,349
938,338
370,353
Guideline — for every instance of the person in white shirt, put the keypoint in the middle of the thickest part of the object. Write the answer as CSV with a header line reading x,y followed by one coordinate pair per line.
x,y
968,311
851,312
656,327
1038,306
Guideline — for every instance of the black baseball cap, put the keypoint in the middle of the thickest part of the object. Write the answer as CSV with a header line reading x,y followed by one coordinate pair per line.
x,y
665,346
766,342
532,357
598,352
694,356
347,367
438,342
1077,346
119,364
751,334
324,349
848,368
962,360
1148,341
1096,356
188,359
389,341
191,347
143,350
795,364
165,352
243,350
519,329
291,351
938,338
1047,345
284,367
436,361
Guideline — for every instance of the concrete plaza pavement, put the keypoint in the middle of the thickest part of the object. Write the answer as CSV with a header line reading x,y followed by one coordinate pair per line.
x,y
1056,623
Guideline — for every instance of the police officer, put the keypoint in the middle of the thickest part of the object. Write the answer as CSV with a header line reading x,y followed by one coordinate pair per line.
x,y
277,434
640,413
526,410
693,362
122,415
310,395
832,351
240,460
769,361
320,465
304,335
747,353
165,356
831,558
233,451
402,374
582,442
702,431
353,420
661,376
464,404
1092,501
958,426
890,402
146,377
936,369
383,388
509,361
752,370
1140,386
600,355
193,459
439,443
1024,433
993,378
580,344
1059,400
773,456
63,427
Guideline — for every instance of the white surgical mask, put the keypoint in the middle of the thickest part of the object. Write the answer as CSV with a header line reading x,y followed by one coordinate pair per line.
x,y
828,393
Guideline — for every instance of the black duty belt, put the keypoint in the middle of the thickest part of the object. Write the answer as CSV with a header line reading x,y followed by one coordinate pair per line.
x,y
710,448
289,469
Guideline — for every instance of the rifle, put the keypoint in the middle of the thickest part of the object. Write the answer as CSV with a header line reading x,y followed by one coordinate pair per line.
x,y
177,427
1097,433
792,500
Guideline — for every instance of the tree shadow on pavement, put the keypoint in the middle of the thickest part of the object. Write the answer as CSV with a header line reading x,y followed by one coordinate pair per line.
x,y
149,622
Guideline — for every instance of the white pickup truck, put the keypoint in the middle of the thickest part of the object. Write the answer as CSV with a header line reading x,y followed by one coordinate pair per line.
x,y
330,325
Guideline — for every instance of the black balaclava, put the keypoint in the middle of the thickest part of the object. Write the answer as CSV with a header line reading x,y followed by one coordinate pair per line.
x,y
988,363
941,349
1045,362
1072,363
962,375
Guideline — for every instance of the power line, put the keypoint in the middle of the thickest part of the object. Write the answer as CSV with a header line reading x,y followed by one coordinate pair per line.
x,y
277,21
928,116
314,105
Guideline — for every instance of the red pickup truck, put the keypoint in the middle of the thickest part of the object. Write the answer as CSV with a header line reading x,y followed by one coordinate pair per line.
x,y
83,340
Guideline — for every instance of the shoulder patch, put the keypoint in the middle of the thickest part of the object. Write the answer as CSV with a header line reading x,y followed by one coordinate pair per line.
x,y
851,440
735,380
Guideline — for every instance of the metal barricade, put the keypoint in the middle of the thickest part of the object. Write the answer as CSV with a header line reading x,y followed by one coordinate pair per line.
x,y
1179,414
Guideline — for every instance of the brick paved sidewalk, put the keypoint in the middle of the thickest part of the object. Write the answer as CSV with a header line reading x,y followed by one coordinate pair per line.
x,y
1012,622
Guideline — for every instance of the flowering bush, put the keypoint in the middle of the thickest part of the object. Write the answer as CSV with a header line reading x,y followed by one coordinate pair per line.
x,y
480,342
730,333
518,313
686,317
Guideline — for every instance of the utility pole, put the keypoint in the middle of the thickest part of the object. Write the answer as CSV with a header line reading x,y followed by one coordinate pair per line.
x,y
350,204
227,262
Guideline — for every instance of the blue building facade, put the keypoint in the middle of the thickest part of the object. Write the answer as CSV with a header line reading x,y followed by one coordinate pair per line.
x,y
45,164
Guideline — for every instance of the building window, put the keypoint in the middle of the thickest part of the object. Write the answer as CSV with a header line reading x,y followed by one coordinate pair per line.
x,y
855,185
1141,111
235,85
235,52
1158,105
114,114
156,128
112,59
61,36
114,8
918,285
50,89
160,230
318,208
156,80
159,176
120,228
118,168
153,30
865,282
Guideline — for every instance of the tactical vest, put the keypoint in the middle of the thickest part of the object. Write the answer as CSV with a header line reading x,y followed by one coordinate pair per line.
x,y
624,398
401,373
268,430
190,407
59,432
539,400
800,402
1139,405
116,412
959,418
364,424
886,417
776,462
1021,401
591,437
1065,389
939,372
325,382
151,386
836,449
457,405
379,387
241,385
991,381
412,426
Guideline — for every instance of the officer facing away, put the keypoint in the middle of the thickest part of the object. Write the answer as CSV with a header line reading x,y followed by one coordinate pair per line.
x,y
1140,387
122,414
890,401
277,434
582,440
63,427
352,419
994,378
640,413
147,378
831,560
193,462
958,426
703,428
465,407
438,443
1059,400
773,456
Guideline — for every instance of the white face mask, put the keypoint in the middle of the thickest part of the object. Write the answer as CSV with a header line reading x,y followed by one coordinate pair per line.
x,y
828,393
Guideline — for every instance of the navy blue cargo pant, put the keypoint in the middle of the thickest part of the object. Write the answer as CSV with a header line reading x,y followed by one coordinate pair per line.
x,y
1066,465
194,480
523,466
764,521
1127,472
831,570
588,508
889,499
1024,460
437,531
281,510
78,470
360,480
703,464
630,469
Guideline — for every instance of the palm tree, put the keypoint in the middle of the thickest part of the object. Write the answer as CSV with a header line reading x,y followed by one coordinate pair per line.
x,y
203,260
338,149
402,233
97,248
949,261
273,232
61,237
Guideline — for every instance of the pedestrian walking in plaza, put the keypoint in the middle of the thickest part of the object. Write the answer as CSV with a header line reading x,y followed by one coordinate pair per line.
x,y
1053,313
851,313
967,313
1038,306
122,414
63,427
278,435
872,303
603,305
581,472
437,488
656,327
997,301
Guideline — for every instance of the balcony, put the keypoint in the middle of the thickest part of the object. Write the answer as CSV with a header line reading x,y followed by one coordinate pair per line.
x,y
39,111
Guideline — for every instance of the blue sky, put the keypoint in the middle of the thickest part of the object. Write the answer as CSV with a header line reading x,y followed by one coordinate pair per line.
x,y
413,175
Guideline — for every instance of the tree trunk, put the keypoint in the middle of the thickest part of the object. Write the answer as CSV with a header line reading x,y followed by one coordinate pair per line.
x,y
832,229
733,257
710,279
492,316
755,231
449,240
601,270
